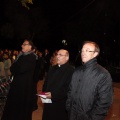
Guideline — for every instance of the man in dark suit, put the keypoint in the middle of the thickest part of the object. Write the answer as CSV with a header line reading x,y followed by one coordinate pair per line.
x,y
56,87
90,92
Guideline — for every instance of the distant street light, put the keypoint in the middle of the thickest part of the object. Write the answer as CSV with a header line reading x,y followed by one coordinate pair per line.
x,y
64,42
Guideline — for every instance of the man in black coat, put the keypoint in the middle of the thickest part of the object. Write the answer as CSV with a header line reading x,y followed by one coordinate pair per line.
x,y
90,93
56,87
19,104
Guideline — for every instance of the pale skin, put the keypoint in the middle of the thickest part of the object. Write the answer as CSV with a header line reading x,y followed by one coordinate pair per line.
x,y
88,52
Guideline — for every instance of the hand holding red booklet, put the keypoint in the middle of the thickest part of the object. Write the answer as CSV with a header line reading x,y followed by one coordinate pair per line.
x,y
43,97
42,94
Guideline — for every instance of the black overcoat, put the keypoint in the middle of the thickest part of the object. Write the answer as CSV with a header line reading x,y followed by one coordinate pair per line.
x,y
19,101
57,83
90,93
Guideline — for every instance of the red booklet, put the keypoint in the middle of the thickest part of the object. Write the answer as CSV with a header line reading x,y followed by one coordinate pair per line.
x,y
42,93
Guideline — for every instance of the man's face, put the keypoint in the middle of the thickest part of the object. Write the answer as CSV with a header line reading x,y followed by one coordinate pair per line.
x,y
62,58
88,52
26,47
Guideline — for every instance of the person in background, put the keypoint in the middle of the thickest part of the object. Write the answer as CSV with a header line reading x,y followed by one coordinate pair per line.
x,y
38,76
42,66
14,55
19,104
47,57
90,92
7,65
56,86
53,59
2,71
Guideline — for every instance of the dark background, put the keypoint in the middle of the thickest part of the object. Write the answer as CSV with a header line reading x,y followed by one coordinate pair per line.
x,y
48,22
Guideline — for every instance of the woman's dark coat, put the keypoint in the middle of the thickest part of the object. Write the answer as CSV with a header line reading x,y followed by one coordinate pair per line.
x,y
57,83
91,92
19,103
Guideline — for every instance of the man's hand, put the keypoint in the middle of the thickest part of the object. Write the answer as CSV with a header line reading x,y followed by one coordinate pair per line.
x,y
48,95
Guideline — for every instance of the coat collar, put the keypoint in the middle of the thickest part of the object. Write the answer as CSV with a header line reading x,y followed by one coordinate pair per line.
x,y
26,53
90,63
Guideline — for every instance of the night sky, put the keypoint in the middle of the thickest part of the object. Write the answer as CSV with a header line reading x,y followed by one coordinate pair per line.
x,y
48,22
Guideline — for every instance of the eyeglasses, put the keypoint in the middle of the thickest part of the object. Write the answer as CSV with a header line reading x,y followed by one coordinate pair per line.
x,y
87,51
60,55
25,44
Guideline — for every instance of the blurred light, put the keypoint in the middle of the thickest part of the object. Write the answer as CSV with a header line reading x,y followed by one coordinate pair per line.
x,y
64,42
